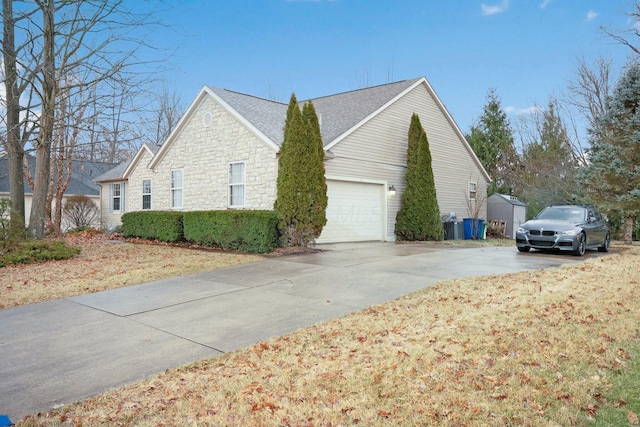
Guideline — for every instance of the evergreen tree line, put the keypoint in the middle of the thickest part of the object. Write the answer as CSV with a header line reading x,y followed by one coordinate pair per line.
x,y
552,164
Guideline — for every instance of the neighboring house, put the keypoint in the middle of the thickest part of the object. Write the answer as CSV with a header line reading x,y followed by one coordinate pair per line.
x,y
83,175
223,154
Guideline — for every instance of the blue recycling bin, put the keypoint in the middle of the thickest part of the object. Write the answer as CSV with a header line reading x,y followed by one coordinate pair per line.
x,y
468,228
473,229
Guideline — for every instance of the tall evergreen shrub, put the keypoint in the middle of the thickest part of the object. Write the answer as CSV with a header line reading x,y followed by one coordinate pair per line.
x,y
302,192
419,216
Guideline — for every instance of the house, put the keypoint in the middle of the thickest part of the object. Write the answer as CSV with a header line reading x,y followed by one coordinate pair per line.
x,y
83,174
501,207
223,154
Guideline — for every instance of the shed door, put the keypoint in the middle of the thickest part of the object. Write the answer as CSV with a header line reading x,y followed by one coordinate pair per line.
x,y
355,212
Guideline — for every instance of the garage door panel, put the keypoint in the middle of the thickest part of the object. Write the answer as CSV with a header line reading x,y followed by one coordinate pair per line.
x,y
354,212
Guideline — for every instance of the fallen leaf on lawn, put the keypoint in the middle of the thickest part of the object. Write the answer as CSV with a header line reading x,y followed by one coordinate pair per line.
x,y
619,403
633,418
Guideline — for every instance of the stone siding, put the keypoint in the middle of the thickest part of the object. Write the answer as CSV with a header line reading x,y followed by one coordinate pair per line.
x,y
208,142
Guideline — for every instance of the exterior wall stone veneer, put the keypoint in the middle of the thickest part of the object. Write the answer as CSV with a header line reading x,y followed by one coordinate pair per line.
x,y
204,153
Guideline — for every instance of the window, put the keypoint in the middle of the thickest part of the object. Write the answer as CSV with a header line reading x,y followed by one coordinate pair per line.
x,y
236,184
116,197
176,188
146,194
473,190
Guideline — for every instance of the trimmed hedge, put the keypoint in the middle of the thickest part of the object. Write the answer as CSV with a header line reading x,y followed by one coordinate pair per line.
x,y
249,231
165,226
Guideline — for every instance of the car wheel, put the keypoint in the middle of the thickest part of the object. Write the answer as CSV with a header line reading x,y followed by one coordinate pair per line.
x,y
606,244
524,248
582,245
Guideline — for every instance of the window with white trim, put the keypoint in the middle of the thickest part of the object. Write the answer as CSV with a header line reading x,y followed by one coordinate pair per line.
x,y
236,184
146,194
176,188
116,197
473,190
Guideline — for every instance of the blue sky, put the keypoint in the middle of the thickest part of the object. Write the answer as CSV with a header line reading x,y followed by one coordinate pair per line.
x,y
525,49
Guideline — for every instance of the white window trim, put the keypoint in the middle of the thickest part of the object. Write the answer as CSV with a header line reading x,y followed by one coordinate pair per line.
x,y
172,189
150,193
120,197
243,184
472,186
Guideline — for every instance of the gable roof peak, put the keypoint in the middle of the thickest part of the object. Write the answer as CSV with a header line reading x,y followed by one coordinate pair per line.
x,y
407,82
235,92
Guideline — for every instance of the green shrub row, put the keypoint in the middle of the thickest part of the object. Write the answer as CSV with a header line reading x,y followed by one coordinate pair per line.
x,y
248,231
165,226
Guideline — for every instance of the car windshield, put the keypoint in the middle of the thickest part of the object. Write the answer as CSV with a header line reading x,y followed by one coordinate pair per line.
x,y
573,214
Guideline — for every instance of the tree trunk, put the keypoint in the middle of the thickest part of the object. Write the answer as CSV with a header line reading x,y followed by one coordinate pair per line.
x,y
45,134
15,150
628,231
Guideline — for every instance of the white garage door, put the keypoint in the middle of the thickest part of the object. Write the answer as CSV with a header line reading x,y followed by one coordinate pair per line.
x,y
355,212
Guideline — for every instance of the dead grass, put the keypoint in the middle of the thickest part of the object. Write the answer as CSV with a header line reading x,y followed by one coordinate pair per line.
x,y
106,264
536,348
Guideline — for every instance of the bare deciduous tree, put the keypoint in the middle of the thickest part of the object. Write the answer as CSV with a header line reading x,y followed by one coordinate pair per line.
x,y
48,85
165,115
626,37
588,92
96,42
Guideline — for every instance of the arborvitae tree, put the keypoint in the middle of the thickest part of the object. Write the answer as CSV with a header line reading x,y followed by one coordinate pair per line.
x,y
315,176
612,178
302,192
419,216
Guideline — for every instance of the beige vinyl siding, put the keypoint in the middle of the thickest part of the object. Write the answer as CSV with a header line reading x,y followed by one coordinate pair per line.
x,y
110,219
134,187
377,151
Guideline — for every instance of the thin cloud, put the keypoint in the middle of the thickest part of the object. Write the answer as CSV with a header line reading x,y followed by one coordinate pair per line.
x,y
523,111
534,109
493,9
591,15
545,3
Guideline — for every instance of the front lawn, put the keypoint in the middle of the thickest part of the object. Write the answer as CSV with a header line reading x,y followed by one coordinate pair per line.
x,y
106,264
549,347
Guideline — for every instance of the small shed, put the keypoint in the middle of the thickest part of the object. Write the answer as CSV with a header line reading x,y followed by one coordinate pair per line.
x,y
501,207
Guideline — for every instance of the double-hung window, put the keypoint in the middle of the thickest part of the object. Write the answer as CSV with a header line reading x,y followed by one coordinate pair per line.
x,y
146,194
236,184
176,188
473,190
116,197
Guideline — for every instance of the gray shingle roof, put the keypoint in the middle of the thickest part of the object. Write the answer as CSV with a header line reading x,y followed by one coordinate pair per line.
x,y
114,173
341,112
82,176
117,172
337,113
266,115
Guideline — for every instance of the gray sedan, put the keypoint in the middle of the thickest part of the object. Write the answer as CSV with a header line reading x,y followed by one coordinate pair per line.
x,y
573,228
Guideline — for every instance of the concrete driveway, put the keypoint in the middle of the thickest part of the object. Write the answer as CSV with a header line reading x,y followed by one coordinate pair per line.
x,y
62,351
